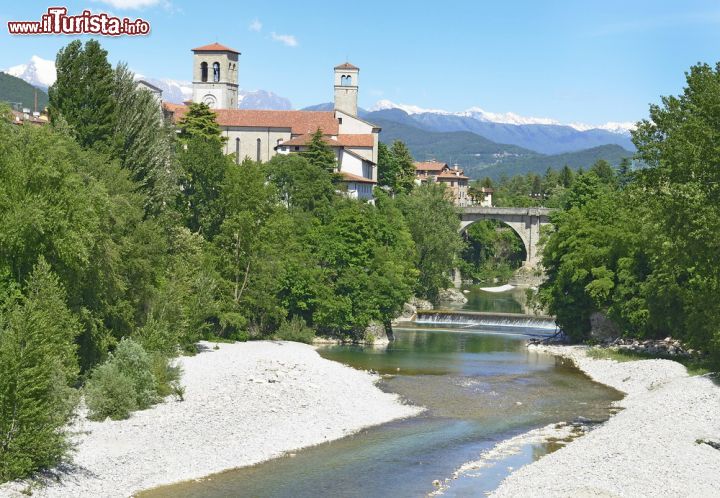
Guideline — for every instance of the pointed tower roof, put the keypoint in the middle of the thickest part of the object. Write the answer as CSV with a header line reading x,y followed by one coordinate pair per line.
x,y
347,65
215,47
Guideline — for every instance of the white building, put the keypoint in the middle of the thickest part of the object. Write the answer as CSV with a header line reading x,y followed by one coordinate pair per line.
x,y
260,135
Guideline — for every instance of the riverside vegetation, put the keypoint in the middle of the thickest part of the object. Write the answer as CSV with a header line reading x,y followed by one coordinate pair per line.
x,y
124,242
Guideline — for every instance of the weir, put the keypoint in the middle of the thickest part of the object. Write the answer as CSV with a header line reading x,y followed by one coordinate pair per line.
x,y
537,324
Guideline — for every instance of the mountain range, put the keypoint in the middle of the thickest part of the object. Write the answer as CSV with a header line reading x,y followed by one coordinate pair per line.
x,y
482,142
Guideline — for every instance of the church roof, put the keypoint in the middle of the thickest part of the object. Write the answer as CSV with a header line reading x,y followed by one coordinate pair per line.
x,y
359,140
214,47
347,65
299,122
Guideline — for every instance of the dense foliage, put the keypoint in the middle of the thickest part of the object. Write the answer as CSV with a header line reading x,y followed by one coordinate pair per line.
x,y
642,248
123,243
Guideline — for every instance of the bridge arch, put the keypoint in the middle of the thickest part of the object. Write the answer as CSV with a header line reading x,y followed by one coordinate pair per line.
x,y
525,222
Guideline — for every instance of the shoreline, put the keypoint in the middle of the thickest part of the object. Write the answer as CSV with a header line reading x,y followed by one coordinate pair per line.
x,y
652,447
244,403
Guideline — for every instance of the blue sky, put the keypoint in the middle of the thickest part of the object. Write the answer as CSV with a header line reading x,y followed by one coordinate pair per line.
x,y
587,61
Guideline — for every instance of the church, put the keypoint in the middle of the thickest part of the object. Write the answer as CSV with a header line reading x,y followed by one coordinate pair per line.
x,y
260,135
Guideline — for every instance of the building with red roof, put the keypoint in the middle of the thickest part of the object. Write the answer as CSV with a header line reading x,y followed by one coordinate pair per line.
x,y
452,177
260,134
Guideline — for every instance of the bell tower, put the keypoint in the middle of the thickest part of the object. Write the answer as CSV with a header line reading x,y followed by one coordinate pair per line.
x,y
215,76
346,88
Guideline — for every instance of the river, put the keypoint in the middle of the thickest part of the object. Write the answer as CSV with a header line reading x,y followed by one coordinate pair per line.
x,y
480,386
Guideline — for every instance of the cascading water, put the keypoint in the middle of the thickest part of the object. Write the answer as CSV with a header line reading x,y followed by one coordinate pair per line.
x,y
530,325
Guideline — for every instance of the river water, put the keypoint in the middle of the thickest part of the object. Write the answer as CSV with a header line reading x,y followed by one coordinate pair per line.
x,y
479,385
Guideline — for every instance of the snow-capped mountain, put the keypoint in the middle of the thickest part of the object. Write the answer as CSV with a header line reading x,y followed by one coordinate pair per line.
x,y
504,118
38,72
41,73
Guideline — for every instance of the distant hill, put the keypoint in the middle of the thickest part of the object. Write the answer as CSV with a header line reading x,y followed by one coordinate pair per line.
x,y
14,89
481,157
540,163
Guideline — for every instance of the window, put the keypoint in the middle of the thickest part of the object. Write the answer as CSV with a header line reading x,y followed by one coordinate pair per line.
x,y
216,72
339,120
203,72
237,150
257,152
346,80
297,148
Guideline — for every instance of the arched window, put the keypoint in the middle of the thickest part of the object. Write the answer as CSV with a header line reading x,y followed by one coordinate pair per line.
x,y
203,72
346,80
258,150
216,72
237,150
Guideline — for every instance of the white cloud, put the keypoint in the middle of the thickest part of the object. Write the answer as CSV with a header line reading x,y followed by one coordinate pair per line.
x,y
255,25
288,40
134,4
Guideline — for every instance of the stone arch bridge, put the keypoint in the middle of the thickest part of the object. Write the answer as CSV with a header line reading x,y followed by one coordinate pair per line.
x,y
526,222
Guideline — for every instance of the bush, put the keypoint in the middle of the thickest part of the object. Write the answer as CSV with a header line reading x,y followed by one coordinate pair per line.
x,y
110,393
167,376
127,381
295,330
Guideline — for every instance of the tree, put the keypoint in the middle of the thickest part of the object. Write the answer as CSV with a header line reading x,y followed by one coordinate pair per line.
x,y
396,168
604,171
434,225
385,167
83,94
202,170
300,184
404,167
566,176
683,181
319,154
38,364
199,122
143,143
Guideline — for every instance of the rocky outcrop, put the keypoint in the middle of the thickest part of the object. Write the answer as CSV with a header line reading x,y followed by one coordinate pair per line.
x,y
376,334
603,328
452,296
664,347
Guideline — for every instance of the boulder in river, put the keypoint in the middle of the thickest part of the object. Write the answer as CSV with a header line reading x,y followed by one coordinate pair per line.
x,y
452,296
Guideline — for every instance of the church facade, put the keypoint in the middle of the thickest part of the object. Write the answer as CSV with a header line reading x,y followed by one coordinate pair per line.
x,y
261,134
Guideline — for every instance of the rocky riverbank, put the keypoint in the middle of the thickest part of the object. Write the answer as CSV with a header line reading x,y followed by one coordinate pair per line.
x,y
663,443
244,403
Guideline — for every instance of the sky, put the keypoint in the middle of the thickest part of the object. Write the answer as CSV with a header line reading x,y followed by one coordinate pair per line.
x,y
572,61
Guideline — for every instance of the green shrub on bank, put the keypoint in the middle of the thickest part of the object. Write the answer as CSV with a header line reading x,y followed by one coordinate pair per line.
x,y
110,393
128,381
295,330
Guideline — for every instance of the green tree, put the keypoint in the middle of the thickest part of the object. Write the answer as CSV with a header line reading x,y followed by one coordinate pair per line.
x,y
38,364
396,168
682,181
199,122
143,142
202,170
83,94
434,225
301,185
404,167
566,176
319,154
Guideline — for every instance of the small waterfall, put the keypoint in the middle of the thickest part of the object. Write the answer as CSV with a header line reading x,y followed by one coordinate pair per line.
x,y
533,324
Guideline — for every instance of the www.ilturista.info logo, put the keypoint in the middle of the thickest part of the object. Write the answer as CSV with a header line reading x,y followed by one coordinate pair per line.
x,y
56,21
